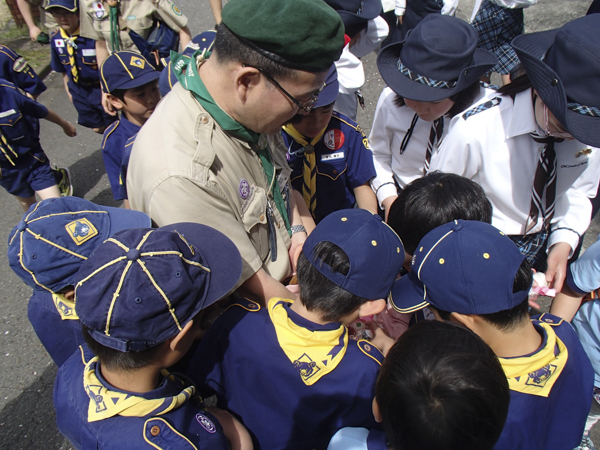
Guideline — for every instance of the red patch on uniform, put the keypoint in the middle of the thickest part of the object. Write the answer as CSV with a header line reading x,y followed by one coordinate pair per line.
x,y
334,139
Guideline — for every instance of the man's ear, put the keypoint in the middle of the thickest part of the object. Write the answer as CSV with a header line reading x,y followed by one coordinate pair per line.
x,y
176,341
116,102
371,307
376,412
246,79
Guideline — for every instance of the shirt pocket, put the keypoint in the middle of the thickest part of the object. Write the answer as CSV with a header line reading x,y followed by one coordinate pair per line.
x,y
13,126
331,178
254,218
141,25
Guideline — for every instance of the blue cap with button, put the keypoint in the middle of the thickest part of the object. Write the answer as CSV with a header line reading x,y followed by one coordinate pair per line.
x,y
126,70
143,285
464,266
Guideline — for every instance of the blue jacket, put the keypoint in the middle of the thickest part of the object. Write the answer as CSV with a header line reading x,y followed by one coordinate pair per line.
x,y
14,68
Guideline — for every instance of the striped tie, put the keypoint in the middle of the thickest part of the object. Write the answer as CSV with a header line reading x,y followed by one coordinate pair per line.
x,y
544,180
71,47
309,167
435,135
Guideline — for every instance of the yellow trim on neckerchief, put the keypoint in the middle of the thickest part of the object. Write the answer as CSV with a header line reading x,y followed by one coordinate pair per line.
x,y
536,374
65,307
71,47
309,168
312,353
105,403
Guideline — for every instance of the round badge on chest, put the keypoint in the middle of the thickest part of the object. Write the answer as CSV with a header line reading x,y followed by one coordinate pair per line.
x,y
308,149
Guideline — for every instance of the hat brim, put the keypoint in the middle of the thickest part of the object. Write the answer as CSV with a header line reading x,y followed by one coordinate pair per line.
x,y
221,256
50,6
387,63
370,10
124,219
330,92
408,294
530,49
138,81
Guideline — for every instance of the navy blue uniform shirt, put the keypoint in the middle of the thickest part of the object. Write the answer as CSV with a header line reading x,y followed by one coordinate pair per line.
x,y
115,139
14,68
344,162
124,165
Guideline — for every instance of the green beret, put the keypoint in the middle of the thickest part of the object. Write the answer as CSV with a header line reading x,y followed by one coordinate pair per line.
x,y
300,34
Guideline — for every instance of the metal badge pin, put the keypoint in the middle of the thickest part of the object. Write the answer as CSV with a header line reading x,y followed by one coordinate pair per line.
x,y
587,151
308,149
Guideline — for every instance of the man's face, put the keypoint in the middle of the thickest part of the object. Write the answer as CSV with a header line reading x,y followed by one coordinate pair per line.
x,y
269,108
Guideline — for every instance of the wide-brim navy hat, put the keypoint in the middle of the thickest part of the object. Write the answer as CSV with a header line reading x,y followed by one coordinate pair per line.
x,y
142,286
437,59
375,252
126,70
564,68
55,237
464,266
330,92
69,5
354,12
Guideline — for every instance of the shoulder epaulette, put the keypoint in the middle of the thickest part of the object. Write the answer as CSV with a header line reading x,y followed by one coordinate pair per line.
x,y
112,127
482,107
53,32
549,319
370,350
246,304
348,121
131,140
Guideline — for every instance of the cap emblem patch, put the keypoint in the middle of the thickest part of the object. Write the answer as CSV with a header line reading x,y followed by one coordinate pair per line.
x,y
81,230
137,62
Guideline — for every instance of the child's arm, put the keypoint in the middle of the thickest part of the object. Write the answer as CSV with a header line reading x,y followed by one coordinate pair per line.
x,y
235,432
365,198
566,303
65,81
185,36
67,126
216,6
25,10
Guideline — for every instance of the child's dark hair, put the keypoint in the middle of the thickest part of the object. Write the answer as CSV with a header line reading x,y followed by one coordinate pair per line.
x,y
432,201
229,48
507,320
442,387
462,100
317,292
116,360
120,94
516,86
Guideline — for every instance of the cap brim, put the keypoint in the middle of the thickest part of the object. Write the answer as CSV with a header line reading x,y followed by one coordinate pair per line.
x,y
408,294
124,219
50,6
329,94
387,63
370,10
139,81
221,256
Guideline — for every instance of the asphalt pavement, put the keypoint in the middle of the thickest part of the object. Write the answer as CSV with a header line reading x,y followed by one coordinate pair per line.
x,y
26,372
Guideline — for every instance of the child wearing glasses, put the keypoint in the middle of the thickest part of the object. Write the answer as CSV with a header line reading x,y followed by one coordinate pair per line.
x,y
329,156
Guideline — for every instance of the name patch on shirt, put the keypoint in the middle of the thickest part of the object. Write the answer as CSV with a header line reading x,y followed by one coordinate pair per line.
x,y
7,113
570,166
59,43
89,52
330,156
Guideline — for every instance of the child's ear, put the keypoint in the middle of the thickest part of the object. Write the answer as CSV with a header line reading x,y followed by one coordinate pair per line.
x,y
466,320
69,294
115,101
376,412
371,307
176,341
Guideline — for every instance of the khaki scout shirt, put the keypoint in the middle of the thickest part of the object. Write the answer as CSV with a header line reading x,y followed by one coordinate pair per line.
x,y
185,168
136,15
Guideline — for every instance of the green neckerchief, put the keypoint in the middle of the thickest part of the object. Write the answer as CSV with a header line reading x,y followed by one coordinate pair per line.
x,y
186,72
114,27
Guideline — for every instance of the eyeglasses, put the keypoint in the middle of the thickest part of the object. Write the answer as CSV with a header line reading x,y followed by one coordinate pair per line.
x,y
307,106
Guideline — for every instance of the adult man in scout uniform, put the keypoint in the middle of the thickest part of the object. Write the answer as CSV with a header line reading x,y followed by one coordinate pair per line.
x,y
202,156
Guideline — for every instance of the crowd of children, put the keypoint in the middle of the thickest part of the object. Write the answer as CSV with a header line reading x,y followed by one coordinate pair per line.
x,y
426,233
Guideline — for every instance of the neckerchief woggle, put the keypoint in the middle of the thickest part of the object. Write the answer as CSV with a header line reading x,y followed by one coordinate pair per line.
x,y
537,373
105,403
186,71
313,354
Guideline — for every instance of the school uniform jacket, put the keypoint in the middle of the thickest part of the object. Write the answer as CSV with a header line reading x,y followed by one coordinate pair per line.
x,y
292,382
490,143
93,414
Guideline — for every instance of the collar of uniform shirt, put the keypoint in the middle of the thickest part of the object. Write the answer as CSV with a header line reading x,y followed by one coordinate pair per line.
x,y
523,116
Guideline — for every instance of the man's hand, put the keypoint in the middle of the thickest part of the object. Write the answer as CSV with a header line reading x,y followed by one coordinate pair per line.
x,y
557,265
296,247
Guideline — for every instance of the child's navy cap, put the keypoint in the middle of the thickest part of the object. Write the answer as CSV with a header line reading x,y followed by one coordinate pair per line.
x,y
47,248
375,252
354,12
69,5
464,266
330,92
143,285
126,70
437,59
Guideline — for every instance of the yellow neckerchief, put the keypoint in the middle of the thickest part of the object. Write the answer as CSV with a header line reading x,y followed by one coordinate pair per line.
x,y
105,403
71,47
309,168
66,308
536,374
5,147
312,353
